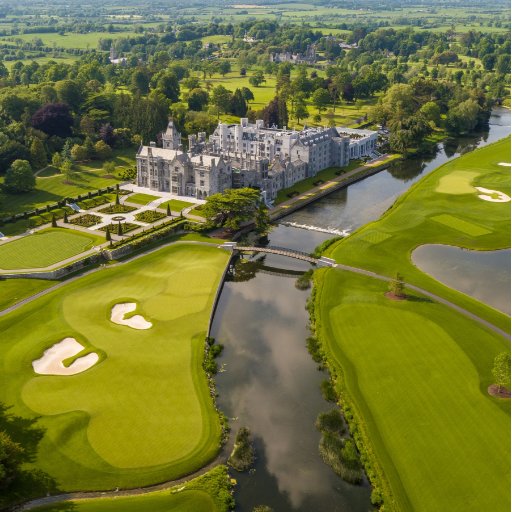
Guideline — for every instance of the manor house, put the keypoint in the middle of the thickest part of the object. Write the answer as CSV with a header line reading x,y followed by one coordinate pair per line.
x,y
247,155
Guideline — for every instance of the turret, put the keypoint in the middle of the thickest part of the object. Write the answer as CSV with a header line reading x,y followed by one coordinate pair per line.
x,y
171,139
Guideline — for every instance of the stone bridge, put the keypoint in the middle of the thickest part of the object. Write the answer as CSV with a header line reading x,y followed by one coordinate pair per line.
x,y
281,251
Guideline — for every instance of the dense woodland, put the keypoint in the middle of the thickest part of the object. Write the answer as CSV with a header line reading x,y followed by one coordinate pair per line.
x,y
417,84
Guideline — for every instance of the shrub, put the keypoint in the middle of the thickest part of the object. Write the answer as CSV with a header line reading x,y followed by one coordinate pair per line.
x,y
331,421
320,249
86,220
328,391
149,216
242,456
125,227
303,282
314,349
341,455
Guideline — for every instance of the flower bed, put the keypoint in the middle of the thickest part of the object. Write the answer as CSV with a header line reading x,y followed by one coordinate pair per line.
x,y
125,226
86,220
149,216
117,208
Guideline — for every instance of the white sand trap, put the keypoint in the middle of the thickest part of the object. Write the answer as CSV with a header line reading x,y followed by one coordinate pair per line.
x,y
51,362
135,322
487,195
504,164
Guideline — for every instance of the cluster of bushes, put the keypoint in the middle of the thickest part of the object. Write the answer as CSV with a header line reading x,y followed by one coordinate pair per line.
x,y
149,216
341,454
242,456
151,235
212,351
303,282
86,204
47,217
314,349
86,220
117,208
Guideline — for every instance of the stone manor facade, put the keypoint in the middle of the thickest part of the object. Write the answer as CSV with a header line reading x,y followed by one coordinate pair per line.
x,y
247,155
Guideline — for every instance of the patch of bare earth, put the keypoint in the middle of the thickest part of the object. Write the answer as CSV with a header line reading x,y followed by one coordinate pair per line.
x,y
497,391
392,296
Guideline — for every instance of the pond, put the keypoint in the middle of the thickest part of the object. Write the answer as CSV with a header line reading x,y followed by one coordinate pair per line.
x,y
485,275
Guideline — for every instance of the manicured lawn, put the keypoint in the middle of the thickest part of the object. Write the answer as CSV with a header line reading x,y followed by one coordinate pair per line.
x,y
45,247
424,215
86,177
141,198
417,374
176,205
15,290
204,494
143,414
309,183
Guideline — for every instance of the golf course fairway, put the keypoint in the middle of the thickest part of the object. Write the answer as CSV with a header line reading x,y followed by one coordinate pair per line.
x,y
414,373
143,413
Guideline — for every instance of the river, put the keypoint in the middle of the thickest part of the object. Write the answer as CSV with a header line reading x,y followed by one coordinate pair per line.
x,y
269,382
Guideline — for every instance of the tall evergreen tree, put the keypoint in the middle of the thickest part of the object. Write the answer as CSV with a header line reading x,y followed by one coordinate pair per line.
x,y
238,105
38,157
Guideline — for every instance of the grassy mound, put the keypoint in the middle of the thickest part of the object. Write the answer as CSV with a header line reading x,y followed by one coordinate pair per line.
x,y
144,413
45,248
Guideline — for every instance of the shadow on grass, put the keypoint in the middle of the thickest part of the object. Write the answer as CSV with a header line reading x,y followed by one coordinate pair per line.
x,y
24,483
416,298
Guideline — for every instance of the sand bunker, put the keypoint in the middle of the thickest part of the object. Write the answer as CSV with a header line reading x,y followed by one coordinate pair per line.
x,y
51,362
135,322
490,195
504,164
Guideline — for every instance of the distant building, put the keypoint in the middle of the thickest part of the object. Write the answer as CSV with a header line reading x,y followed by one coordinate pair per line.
x,y
297,58
247,155
114,59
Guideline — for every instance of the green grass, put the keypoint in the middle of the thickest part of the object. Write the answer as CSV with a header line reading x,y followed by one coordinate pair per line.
x,y
144,413
141,198
207,493
176,205
418,373
13,291
86,177
45,247
309,183
415,372
414,220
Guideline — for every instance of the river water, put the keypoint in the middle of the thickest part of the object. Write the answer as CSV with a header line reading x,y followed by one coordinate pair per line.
x,y
269,383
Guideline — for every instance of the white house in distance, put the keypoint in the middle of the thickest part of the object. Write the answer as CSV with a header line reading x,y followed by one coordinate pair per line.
x,y
247,155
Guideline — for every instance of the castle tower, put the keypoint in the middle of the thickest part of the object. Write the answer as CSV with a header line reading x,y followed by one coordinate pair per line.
x,y
113,54
171,139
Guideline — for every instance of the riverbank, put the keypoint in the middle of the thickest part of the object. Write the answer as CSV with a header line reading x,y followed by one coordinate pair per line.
x,y
433,364
316,192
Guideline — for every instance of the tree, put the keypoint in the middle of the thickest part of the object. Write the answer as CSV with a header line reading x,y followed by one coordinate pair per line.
x,y
70,93
19,177
247,94
463,117
67,169
11,456
169,214
197,99
53,119
238,106
232,208
397,285
501,370
79,153
57,160
106,134
119,229
221,98
139,83
65,219
108,237
38,157
224,67
431,112
169,85
257,79
102,150
11,151
301,111
276,112
321,98
54,221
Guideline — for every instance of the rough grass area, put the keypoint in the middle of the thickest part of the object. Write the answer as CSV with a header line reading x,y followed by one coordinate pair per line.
x,y
143,414
207,493
142,198
45,247
176,205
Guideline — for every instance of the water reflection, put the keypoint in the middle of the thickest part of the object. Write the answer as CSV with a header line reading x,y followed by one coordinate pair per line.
x,y
271,385
485,275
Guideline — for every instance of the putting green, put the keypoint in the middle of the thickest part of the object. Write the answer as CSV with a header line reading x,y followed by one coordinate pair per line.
x,y
419,373
45,247
143,413
458,182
